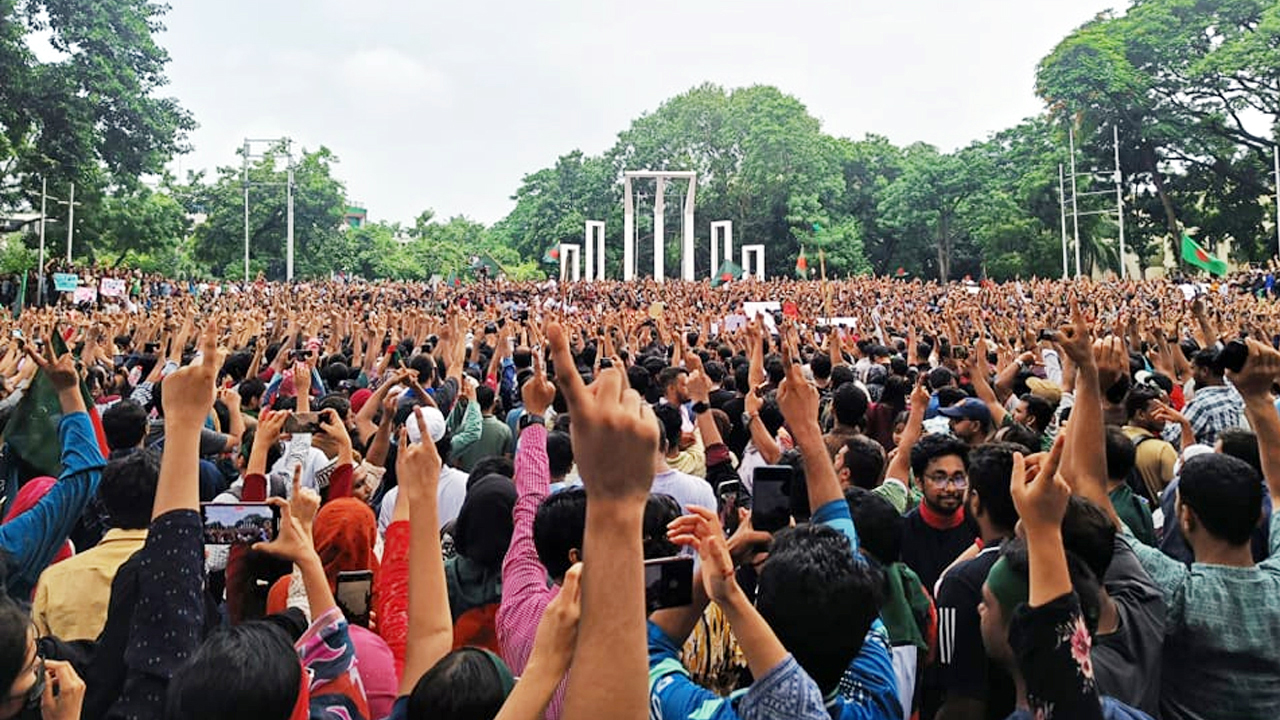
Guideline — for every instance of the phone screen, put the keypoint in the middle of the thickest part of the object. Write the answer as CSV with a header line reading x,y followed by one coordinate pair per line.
x,y
239,523
308,422
668,583
727,494
771,498
354,595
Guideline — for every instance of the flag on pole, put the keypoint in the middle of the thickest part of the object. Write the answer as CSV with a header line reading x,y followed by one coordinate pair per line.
x,y
802,265
1195,255
552,255
728,272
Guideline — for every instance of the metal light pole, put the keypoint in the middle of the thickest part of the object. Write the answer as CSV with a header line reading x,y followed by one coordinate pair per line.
x,y
246,212
1062,205
44,206
1115,133
1075,213
288,271
71,220
1276,152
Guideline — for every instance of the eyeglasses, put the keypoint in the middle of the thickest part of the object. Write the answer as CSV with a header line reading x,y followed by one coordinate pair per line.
x,y
941,480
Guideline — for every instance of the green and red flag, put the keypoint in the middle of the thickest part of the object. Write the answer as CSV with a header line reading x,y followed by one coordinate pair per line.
x,y
728,272
32,431
1195,255
552,255
802,265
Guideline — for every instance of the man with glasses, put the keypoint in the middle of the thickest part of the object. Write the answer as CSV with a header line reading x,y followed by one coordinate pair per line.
x,y
935,532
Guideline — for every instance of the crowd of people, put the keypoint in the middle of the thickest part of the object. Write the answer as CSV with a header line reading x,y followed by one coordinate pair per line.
x,y
1035,499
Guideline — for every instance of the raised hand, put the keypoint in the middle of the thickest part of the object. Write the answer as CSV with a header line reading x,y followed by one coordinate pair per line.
x,y
60,371
418,464
1041,501
1261,370
701,530
1076,338
292,542
797,399
189,392
557,634
1112,360
615,434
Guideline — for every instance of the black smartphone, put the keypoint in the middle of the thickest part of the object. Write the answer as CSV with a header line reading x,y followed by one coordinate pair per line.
x,y
308,422
771,498
727,496
239,523
355,595
668,582
1234,355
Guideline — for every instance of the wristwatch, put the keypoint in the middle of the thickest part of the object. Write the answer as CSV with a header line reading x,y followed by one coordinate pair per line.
x,y
700,407
529,419
747,418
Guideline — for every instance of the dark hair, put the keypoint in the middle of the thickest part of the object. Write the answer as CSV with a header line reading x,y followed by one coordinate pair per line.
x,y
950,395
1140,396
715,371
15,631
670,422
1087,531
491,465
1084,582
124,424
335,401
659,511
811,583
251,388
879,524
1210,360
638,379
1121,453
841,375
1020,435
1225,493
849,405
1040,410
1243,444
463,685
245,670
864,459
485,397
128,489
669,376
821,367
558,527
774,369
940,377
935,445
559,454
990,472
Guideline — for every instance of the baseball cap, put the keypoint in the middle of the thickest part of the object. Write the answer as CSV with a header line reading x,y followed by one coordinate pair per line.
x,y
967,409
435,425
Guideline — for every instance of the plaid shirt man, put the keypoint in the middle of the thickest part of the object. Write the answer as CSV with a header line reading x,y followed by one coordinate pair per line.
x,y
1212,410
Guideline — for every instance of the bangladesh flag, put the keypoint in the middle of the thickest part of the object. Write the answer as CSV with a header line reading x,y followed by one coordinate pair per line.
x,y
728,272
32,431
802,265
1193,254
552,255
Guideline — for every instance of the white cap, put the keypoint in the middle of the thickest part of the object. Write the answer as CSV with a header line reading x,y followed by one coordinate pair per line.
x,y
435,424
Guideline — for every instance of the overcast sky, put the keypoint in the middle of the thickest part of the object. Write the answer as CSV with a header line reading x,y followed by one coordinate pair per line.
x,y
448,105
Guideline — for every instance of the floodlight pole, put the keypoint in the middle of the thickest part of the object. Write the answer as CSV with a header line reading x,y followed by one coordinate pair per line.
x,y
71,220
1276,152
44,206
288,272
1075,213
1115,134
1062,205
246,210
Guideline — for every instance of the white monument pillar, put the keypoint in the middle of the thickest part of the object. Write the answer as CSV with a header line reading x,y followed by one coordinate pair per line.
x,y
753,255
660,231
721,244
567,249
659,234
594,238
628,231
686,249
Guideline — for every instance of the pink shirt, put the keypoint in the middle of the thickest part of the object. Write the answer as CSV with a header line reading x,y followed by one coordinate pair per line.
x,y
525,592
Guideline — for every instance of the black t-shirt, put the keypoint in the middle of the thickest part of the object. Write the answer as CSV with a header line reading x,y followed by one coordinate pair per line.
x,y
928,551
964,669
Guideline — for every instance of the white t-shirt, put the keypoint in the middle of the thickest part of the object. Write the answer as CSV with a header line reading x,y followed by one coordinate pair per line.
x,y
450,496
686,489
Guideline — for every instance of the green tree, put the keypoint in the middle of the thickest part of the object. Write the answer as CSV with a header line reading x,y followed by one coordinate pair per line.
x,y
319,205
93,115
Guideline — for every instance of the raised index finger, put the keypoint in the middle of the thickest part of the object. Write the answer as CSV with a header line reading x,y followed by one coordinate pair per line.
x,y
566,370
